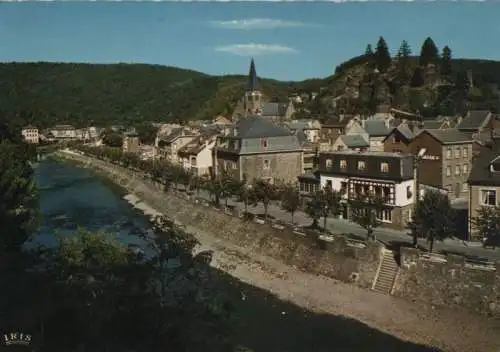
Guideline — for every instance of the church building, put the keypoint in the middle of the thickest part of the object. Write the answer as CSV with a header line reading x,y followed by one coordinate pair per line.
x,y
255,103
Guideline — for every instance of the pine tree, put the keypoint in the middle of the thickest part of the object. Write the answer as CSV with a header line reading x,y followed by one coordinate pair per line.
x,y
429,53
382,56
369,50
403,60
446,61
404,51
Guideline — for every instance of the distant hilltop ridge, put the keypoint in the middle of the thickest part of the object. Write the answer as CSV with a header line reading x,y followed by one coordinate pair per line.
x,y
46,94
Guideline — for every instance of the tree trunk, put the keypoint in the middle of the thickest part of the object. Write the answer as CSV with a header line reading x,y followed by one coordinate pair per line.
x,y
293,213
324,223
431,244
369,232
265,210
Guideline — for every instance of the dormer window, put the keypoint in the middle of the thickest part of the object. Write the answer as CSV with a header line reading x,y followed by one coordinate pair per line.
x,y
264,143
495,165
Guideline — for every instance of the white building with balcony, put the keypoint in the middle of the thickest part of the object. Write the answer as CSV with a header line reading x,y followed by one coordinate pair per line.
x,y
387,175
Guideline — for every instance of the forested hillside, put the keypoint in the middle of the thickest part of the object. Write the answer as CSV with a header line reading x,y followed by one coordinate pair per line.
x,y
430,82
80,94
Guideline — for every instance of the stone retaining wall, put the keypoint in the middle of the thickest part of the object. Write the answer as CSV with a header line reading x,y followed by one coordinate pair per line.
x,y
449,281
334,257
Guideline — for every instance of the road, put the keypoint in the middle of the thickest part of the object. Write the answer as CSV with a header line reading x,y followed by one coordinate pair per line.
x,y
473,250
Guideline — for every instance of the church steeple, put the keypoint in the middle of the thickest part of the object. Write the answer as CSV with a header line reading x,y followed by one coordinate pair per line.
x,y
253,81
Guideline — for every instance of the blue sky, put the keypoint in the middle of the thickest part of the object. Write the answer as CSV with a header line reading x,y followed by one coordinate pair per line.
x,y
289,41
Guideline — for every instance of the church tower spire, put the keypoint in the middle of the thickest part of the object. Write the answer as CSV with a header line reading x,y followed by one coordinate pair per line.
x,y
253,95
253,81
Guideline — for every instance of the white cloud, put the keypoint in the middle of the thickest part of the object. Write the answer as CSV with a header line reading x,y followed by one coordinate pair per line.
x,y
253,49
258,23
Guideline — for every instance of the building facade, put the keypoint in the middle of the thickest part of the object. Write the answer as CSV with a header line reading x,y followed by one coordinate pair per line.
x,y
130,142
31,134
484,184
64,132
388,175
447,161
197,156
169,145
259,149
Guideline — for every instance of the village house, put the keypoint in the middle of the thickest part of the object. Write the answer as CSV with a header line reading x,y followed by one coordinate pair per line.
x,y
255,103
333,127
363,135
447,161
440,123
259,149
196,156
484,183
221,121
310,128
30,134
400,138
63,132
477,121
130,142
388,175
169,145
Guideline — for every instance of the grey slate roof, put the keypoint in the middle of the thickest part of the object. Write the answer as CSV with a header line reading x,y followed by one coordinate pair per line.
x,y
450,136
274,109
432,124
176,132
480,173
376,128
405,130
354,141
474,120
258,127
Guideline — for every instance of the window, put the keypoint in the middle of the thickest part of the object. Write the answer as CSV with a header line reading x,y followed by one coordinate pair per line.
x,y
488,197
361,165
409,193
457,153
465,152
235,166
465,187
384,167
329,184
397,139
328,163
384,215
343,164
264,143
448,170
267,164
448,153
457,169
465,169
340,148
396,150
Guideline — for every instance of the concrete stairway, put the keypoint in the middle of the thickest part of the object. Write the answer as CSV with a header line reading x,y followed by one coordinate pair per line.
x,y
386,274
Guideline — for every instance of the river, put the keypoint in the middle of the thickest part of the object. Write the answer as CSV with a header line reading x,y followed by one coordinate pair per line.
x,y
73,197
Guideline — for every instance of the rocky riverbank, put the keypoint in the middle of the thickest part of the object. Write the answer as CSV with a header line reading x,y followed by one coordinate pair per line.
x,y
445,329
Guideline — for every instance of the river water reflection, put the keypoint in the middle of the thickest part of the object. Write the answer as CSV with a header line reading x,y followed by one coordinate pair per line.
x,y
72,197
